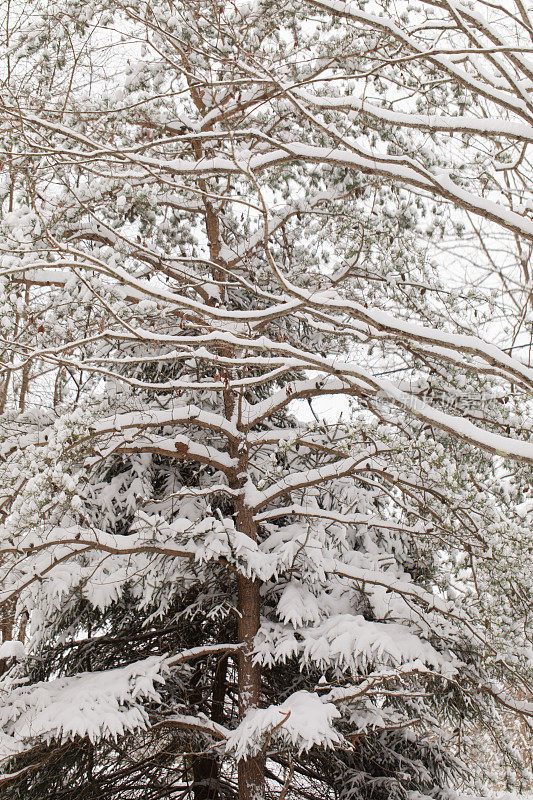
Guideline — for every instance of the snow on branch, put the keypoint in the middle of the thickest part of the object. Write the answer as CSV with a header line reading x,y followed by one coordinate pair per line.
x,y
303,721
98,705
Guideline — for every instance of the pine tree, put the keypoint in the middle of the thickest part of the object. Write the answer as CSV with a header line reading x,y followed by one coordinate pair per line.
x,y
228,596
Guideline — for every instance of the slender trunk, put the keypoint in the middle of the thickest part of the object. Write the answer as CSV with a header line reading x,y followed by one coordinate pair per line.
x,y
206,768
24,385
252,770
205,772
4,391
26,370
7,612
251,775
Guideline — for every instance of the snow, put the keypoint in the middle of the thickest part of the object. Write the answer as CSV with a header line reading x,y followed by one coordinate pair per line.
x,y
346,641
519,130
331,551
302,721
464,77
389,167
12,648
299,480
355,643
93,704
297,605
146,418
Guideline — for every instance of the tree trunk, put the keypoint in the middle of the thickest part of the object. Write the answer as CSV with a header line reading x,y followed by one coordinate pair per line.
x,y
251,770
205,768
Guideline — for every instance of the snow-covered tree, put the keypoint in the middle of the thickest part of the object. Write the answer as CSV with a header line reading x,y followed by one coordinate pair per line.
x,y
215,220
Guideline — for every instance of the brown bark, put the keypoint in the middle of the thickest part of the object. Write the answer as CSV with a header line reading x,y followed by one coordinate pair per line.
x,y
252,770
7,610
205,768
205,772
